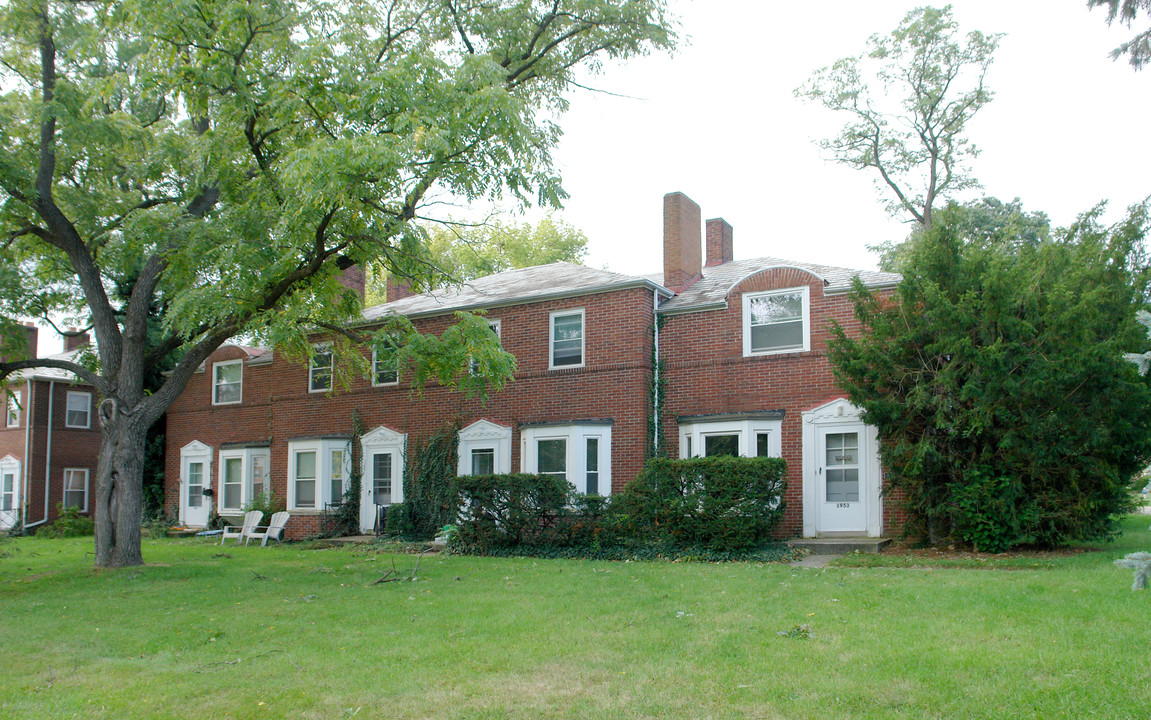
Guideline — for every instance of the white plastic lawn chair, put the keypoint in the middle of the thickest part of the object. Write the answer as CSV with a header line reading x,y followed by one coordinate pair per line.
x,y
275,529
251,520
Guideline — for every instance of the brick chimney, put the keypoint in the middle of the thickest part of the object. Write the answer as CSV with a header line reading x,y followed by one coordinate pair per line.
x,y
718,236
33,334
71,342
398,288
353,279
681,250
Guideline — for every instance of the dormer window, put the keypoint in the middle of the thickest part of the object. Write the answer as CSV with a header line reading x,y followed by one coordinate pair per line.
x,y
776,322
228,382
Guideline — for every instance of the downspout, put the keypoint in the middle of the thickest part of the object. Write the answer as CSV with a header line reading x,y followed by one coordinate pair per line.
x,y
27,444
655,399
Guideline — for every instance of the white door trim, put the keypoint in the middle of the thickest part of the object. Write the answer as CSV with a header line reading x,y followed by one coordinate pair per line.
x,y
841,415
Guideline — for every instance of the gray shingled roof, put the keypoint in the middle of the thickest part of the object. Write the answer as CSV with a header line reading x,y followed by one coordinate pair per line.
x,y
717,282
50,373
512,287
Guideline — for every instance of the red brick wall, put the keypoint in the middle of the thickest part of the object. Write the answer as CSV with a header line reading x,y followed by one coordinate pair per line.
x,y
707,373
613,384
70,448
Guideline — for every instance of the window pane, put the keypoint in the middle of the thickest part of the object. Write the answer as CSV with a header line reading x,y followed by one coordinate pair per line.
x,y
761,444
592,465
260,463
75,486
382,478
776,321
233,482
842,485
306,479
552,457
305,493
306,465
567,340
714,445
842,449
777,337
77,410
483,461
337,486
320,372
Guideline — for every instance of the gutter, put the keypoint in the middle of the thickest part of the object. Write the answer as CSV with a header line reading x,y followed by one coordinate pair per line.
x,y
655,398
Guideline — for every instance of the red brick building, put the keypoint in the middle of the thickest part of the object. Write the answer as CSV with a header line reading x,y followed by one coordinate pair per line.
x,y
743,369
49,442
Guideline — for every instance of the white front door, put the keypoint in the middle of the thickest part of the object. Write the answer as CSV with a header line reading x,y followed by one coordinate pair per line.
x,y
9,497
841,479
196,506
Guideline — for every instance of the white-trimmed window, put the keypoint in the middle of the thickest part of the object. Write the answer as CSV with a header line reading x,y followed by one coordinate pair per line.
x,y
382,374
485,449
567,339
317,469
495,326
228,382
749,435
244,474
9,491
580,454
320,369
79,412
15,401
76,488
776,321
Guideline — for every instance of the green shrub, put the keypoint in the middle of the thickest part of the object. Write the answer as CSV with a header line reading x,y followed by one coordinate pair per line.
x,y
429,491
156,527
715,502
508,510
266,502
398,522
68,524
992,512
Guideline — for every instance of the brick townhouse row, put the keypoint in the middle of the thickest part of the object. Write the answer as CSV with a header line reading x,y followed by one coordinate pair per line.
x,y
49,441
742,358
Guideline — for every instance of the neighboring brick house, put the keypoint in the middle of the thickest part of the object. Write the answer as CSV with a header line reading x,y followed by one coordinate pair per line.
x,y
742,351
49,442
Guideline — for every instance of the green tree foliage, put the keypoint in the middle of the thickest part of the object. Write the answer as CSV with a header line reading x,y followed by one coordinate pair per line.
x,y
1138,48
454,255
996,376
234,157
909,98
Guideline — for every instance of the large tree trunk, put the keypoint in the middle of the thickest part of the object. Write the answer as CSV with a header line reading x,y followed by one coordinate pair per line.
x,y
119,488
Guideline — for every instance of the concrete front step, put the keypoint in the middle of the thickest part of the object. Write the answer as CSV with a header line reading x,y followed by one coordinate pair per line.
x,y
840,545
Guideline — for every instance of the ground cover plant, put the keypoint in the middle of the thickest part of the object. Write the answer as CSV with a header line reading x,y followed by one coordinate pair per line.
x,y
301,631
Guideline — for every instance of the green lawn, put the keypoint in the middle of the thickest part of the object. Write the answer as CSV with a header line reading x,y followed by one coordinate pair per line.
x,y
300,632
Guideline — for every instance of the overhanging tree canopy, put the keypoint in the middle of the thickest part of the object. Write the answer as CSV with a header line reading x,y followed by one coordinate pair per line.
x,y
234,157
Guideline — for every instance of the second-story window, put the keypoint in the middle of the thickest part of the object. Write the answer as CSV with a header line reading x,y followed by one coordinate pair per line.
x,y
78,413
567,339
14,402
228,382
382,369
776,321
320,371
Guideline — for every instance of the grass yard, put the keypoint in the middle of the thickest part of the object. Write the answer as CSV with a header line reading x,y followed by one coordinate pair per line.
x,y
300,632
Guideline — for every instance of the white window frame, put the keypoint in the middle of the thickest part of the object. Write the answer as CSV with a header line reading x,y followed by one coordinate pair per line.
x,y
552,338
9,465
246,456
323,447
14,407
64,494
216,368
87,400
805,292
576,452
313,368
486,435
376,374
692,435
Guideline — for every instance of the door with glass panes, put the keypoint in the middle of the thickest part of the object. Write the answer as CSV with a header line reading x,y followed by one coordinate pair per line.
x,y
841,479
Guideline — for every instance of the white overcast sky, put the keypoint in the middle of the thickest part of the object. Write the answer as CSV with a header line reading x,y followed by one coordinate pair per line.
x,y
718,121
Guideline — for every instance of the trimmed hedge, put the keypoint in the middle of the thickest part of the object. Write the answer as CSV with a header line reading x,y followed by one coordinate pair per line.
x,y
714,502
507,510
708,506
